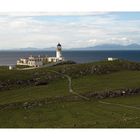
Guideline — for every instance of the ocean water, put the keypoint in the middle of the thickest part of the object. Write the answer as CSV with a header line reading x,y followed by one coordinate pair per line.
x,y
10,57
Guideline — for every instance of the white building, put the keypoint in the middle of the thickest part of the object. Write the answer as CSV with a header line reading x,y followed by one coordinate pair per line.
x,y
111,59
35,61
38,61
10,67
59,51
31,61
52,59
58,55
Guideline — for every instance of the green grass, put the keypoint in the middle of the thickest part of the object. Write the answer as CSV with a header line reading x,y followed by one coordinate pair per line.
x,y
118,80
73,70
85,84
56,88
75,114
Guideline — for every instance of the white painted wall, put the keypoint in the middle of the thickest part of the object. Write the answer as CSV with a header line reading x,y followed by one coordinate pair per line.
x,y
35,63
58,53
111,59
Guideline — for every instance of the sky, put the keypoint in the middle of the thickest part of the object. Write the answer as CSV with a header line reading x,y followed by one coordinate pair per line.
x,y
72,30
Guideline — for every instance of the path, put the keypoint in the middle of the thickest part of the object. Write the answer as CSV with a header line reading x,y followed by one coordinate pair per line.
x,y
121,105
64,75
70,84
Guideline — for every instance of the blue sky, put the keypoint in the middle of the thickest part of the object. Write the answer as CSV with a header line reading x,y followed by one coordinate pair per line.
x,y
73,30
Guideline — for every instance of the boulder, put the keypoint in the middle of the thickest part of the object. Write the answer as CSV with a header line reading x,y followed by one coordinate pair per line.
x,y
25,104
43,82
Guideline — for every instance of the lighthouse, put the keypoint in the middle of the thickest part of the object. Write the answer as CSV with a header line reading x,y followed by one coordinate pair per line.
x,y
59,51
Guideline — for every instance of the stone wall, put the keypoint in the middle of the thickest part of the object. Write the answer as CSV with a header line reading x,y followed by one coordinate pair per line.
x,y
72,98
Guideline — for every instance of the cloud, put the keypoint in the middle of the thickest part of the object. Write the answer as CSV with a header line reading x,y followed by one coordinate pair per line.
x,y
88,29
122,40
32,14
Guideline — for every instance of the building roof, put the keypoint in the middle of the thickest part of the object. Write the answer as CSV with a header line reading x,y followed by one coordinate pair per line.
x,y
59,44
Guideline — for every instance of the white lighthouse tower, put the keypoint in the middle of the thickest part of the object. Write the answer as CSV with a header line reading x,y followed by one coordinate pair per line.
x,y
58,56
59,51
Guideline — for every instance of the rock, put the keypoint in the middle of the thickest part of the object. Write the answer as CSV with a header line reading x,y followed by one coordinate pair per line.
x,y
25,104
29,106
41,82
123,93
111,95
1,86
99,97
81,72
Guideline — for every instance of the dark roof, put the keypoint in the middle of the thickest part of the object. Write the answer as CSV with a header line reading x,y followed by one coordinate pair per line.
x,y
58,44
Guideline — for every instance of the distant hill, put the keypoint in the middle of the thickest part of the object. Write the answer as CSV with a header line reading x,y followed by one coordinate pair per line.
x,y
37,49
111,47
27,49
97,47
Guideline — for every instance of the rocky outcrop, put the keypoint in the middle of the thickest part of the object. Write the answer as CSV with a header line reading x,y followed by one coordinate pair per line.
x,y
41,82
113,93
8,84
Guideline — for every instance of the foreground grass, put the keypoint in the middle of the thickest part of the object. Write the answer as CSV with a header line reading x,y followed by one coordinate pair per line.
x,y
76,114
85,84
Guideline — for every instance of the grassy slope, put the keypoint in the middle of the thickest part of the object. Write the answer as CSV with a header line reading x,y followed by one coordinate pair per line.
x,y
72,70
83,84
75,114
118,80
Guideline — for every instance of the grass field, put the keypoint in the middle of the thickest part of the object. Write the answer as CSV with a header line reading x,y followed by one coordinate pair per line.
x,y
76,114
83,84
109,112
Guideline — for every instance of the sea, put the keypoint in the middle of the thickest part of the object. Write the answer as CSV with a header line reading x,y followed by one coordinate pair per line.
x,y
10,57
